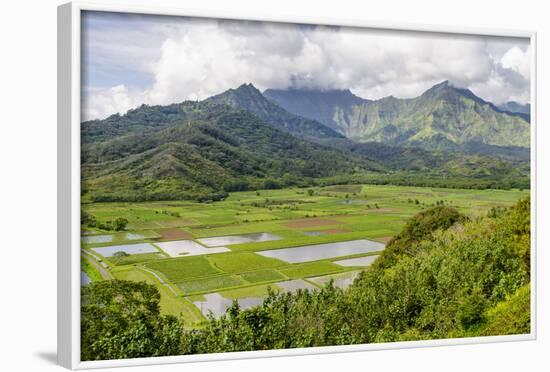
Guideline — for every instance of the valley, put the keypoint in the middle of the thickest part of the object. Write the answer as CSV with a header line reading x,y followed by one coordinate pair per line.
x,y
202,256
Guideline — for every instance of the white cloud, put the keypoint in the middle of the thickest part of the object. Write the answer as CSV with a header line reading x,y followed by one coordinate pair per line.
x,y
200,58
518,60
104,102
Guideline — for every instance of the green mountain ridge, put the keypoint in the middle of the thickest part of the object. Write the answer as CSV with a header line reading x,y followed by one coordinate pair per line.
x,y
239,140
443,118
212,149
248,98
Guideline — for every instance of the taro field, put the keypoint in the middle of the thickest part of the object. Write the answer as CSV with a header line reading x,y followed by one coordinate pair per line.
x,y
204,256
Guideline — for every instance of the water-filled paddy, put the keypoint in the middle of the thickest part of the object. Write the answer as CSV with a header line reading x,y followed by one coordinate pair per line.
x,y
129,249
84,279
359,261
238,239
342,280
97,239
295,285
188,248
323,251
134,236
217,304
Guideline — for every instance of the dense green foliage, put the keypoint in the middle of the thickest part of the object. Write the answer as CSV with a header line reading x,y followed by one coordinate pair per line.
x,y
419,228
511,316
218,149
121,319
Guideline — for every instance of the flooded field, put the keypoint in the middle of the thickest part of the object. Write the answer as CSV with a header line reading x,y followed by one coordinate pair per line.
x,y
238,239
188,248
129,249
217,304
97,239
342,280
323,251
295,285
359,261
84,279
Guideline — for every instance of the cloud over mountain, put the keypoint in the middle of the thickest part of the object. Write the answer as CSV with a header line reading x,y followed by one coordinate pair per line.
x,y
184,58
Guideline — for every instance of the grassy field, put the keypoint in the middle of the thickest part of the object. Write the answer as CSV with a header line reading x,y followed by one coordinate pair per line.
x,y
299,216
169,303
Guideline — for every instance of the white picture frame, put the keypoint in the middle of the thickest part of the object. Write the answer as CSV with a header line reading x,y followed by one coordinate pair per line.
x,y
69,91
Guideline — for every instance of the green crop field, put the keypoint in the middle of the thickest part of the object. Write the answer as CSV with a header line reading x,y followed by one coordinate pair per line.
x,y
298,216
242,261
262,276
169,303
213,283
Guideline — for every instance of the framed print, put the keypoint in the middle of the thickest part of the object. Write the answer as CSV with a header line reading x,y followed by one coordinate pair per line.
x,y
236,186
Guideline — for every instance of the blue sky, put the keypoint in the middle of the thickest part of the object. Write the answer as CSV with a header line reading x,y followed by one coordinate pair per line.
x,y
130,59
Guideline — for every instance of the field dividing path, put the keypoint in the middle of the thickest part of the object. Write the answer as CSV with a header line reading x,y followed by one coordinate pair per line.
x,y
92,261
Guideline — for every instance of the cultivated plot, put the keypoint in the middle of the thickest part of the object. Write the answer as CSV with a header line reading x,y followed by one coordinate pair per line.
x,y
323,251
128,249
188,248
97,239
238,239
295,285
217,305
341,280
359,261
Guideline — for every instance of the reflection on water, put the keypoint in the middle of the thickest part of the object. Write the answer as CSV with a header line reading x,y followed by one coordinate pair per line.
x,y
96,239
343,280
217,304
323,251
217,241
359,261
188,248
84,279
130,249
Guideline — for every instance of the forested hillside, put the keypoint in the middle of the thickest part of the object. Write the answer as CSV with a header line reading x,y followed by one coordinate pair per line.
x,y
442,118
211,150
239,140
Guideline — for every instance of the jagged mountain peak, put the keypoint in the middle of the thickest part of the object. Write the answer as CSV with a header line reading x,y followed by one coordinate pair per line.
x,y
443,117
249,98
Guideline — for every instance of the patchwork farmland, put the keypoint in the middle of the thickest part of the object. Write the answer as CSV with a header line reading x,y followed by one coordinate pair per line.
x,y
203,256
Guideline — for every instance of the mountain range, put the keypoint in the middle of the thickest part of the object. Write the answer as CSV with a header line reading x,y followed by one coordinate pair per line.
x,y
242,139
443,118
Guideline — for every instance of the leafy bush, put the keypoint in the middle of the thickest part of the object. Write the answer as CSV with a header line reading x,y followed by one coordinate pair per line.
x,y
121,319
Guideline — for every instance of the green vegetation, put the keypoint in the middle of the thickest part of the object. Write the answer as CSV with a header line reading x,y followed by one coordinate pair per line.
x,y
511,316
434,120
90,270
442,276
210,284
122,258
444,199
242,261
121,319
253,291
262,276
466,280
169,304
181,269
418,229
240,141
